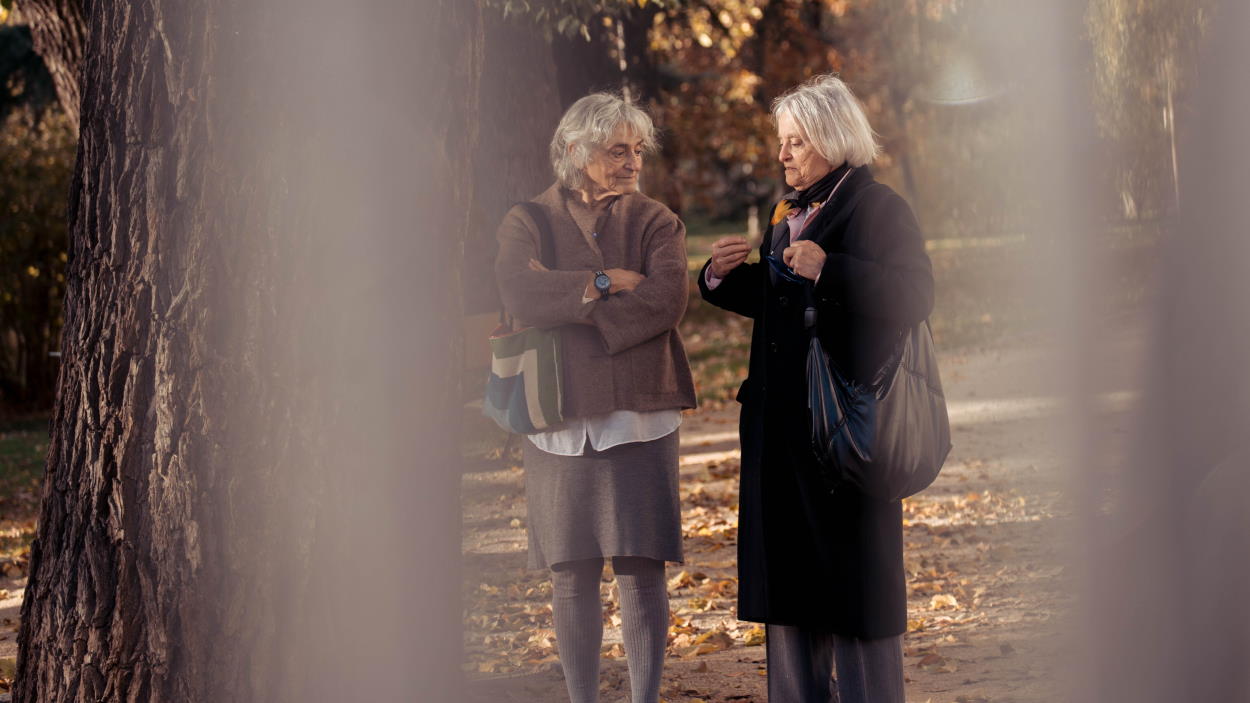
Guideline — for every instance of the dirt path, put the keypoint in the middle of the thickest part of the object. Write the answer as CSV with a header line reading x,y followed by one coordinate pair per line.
x,y
990,591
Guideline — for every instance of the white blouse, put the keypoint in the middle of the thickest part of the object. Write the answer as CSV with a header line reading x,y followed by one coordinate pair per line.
x,y
606,431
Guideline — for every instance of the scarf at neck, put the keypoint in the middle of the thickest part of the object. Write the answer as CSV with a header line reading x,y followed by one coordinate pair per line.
x,y
819,191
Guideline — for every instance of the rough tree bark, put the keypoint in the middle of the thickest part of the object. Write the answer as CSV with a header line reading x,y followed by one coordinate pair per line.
x,y
519,108
60,33
252,486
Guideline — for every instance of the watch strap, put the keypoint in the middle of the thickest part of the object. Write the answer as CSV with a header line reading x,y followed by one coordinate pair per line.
x,y
603,290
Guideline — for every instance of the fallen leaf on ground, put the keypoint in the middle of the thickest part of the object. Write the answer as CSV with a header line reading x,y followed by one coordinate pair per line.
x,y
681,580
699,603
709,642
936,662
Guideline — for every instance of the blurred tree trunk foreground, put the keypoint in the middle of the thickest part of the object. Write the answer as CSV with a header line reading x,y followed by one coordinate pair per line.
x,y
251,489
59,31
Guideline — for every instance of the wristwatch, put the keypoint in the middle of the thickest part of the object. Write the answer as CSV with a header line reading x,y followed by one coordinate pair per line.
x,y
603,283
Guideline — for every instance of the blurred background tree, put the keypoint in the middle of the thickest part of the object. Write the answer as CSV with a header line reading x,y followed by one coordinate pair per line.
x,y
708,71
36,157
710,68
1145,53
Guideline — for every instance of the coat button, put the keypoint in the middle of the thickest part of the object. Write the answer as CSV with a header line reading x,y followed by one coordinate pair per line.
x,y
783,301
772,346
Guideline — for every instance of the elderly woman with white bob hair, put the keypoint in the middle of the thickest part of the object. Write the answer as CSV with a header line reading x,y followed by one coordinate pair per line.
x,y
603,484
820,562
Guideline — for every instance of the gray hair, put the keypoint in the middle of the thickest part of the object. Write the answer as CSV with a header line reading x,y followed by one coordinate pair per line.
x,y
588,125
832,119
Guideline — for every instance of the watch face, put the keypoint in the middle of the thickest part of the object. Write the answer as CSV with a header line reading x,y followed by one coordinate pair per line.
x,y
602,282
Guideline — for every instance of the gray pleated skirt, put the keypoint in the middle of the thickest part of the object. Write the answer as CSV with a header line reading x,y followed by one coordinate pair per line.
x,y
618,502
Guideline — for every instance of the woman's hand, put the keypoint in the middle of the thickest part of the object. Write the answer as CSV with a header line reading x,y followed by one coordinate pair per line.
x,y
727,254
806,258
623,280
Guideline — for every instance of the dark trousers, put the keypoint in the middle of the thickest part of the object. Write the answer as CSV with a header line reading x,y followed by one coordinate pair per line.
x,y
801,664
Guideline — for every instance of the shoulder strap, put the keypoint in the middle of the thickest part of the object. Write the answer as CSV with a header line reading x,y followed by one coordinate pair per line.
x,y
809,289
848,208
843,214
546,243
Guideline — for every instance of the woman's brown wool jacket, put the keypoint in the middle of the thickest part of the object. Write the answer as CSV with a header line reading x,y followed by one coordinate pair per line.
x,y
631,358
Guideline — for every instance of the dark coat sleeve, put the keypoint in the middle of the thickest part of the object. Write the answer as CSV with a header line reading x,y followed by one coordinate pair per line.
x,y
657,304
883,271
742,291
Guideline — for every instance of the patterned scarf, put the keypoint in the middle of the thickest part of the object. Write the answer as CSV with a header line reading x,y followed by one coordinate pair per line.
x,y
815,194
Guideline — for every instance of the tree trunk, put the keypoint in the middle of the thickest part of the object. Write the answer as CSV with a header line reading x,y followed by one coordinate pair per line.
x,y
252,485
59,31
584,67
520,107
644,76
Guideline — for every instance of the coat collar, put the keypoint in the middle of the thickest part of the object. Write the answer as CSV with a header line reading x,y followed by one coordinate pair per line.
x,y
815,230
555,200
859,178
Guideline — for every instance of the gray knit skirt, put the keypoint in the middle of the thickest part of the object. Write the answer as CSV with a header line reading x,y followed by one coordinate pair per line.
x,y
618,502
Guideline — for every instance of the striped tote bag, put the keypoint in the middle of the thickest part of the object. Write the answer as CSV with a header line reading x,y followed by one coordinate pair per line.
x,y
523,389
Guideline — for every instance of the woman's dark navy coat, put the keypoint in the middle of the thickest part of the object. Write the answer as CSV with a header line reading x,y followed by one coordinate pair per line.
x,y
805,556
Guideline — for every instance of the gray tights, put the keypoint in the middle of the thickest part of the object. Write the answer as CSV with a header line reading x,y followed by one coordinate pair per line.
x,y
578,614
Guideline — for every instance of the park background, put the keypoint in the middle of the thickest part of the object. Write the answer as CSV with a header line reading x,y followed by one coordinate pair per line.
x,y
986,110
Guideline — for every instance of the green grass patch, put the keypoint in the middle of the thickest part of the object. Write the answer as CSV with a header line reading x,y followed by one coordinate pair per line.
x,y
711,229
23,451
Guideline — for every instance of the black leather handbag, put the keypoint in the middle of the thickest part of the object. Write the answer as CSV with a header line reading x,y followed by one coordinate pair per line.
x,y
888,438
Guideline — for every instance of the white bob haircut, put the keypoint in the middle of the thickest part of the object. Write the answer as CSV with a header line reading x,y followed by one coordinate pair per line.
x,y
589,124
830,117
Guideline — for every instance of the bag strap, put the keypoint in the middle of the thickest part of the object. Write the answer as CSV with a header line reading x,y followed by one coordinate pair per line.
x,y
546,242
809,291
545,245
809,288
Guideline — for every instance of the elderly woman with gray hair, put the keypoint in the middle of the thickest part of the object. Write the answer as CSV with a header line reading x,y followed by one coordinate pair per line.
x,y
603,484
821,564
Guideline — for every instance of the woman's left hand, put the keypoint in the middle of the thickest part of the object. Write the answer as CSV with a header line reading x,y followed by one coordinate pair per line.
x,y
805,257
